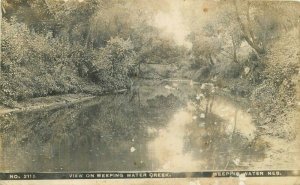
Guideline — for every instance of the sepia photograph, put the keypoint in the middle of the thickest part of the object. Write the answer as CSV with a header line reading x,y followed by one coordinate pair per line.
x,y
141,92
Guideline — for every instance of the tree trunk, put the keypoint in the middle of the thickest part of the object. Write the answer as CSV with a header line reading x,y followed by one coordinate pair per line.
x,y
211,60
88,39
234,127
234,50
247,31
139,70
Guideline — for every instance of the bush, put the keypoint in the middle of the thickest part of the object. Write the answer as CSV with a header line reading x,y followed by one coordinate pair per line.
x,y
35,65
112,63
275,96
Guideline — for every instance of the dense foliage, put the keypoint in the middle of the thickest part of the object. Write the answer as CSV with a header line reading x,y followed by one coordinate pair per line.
x,y
34,65
58,47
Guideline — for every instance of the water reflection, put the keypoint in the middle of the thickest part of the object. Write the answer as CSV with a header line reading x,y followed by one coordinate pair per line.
x,y
171,126
84,137
195,139
168,147
237,119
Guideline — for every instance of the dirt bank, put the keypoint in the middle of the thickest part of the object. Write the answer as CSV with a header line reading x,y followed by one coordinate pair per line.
x,y
49,102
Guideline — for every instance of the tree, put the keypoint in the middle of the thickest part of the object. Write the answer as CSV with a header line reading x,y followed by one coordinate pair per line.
x,y
205,48
246,28
260,22
111,63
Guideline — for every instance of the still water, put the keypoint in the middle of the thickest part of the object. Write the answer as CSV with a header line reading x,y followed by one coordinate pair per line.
x,y
166,125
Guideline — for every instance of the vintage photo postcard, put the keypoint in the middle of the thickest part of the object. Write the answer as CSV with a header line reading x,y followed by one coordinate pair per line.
x,y
142,92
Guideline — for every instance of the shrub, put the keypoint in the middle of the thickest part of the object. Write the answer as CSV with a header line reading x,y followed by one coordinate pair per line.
x,y
35,65
112,63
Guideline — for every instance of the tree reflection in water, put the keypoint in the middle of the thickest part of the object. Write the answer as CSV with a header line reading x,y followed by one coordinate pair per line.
x,y
173,130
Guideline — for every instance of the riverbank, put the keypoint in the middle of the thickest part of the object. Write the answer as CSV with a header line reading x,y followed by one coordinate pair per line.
x,y
49,102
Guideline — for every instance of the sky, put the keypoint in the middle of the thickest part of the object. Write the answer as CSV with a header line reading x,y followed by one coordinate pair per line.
x,y
172,23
